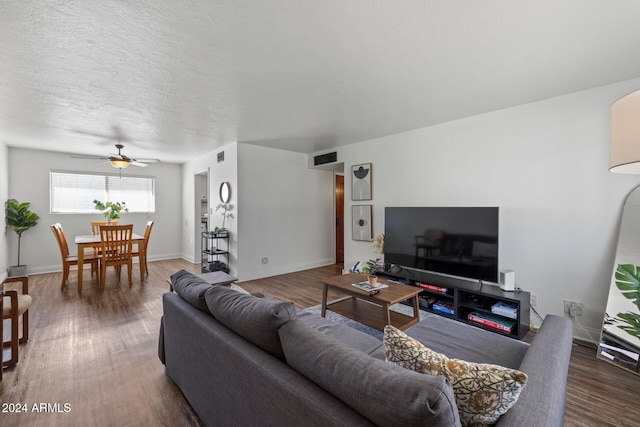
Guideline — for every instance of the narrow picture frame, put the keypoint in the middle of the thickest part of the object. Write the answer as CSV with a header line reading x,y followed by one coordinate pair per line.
x,y
362,222
361,178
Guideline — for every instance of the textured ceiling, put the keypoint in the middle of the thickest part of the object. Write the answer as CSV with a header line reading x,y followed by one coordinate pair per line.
x,y
175,79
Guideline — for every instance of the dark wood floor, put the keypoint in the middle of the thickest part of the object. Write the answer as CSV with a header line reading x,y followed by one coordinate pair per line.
x,y
97,354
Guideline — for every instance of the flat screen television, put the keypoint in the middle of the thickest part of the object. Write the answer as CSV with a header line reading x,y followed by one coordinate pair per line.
x,y
457,241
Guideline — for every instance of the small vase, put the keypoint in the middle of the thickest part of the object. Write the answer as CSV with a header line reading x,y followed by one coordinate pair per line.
x,y
373,281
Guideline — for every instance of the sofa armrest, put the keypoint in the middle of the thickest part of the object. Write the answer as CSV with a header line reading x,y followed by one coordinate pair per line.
x,y
546,362
161,342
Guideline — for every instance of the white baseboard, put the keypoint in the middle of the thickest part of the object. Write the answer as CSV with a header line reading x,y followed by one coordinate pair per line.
x,y
243,276
42,269
582,333
189,257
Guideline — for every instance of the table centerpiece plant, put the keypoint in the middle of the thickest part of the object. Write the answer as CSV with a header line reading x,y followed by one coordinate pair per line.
x,y
111,210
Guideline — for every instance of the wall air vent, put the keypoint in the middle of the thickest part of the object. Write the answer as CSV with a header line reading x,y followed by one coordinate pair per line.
x,y
323,159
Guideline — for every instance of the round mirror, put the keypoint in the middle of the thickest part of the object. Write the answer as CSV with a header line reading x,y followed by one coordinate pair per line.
x,y
225,192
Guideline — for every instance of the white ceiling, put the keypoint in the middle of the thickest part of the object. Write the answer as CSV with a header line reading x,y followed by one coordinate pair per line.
x,y
175,79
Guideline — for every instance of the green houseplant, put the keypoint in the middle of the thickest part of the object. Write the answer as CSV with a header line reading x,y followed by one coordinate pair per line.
x,y
20,219
111,210
627,279
226,207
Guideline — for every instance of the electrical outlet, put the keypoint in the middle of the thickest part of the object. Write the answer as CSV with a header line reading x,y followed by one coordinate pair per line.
x,y
573,308
533,300
265,260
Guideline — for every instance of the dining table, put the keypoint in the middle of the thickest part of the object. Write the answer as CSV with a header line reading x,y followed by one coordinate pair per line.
x,y
84,241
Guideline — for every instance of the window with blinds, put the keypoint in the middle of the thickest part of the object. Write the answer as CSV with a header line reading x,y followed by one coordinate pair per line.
x,y
72,192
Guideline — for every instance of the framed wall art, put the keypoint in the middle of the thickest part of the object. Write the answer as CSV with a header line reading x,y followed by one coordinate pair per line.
x,y
361,222
361,182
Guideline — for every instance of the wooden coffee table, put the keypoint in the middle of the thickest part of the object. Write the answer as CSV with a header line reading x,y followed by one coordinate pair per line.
x,y
371,310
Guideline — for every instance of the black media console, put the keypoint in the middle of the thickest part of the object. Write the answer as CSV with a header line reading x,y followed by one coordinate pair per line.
x,y
480,304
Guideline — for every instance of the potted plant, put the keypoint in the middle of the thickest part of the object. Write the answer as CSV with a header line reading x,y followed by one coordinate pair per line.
x,y
19,218
627,278
111,210
226,207
370,268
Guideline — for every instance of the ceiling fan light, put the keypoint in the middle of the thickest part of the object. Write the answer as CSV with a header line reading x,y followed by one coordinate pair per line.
x,y
119,164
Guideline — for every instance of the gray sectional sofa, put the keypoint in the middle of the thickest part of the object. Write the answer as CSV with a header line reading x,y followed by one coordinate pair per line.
x,y
241,360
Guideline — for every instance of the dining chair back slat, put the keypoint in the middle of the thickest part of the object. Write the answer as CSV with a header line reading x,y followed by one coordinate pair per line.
x,y
60,238
95,226
116,247
140,250
95,230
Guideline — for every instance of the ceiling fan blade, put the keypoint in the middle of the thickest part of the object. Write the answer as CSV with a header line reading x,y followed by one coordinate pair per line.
x,y
135,163
147,160
90,157
120,157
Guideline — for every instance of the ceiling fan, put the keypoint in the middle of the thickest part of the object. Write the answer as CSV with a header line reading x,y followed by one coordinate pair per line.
x,y
120,161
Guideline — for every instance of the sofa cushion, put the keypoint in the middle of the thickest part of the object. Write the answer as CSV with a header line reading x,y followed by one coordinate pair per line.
x,y
238,288
255,319
356,339
385,394
458,340
483,392
191,288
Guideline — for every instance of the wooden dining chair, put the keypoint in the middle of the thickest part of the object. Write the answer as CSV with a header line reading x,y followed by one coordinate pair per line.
x,y
95,226
142,254
95,230
15,305
68,260
116,249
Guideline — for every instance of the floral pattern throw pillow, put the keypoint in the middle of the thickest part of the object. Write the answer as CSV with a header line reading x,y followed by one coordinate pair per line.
x,y
482,391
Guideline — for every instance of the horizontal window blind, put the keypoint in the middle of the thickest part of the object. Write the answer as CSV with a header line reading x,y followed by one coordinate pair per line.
x,y
72,192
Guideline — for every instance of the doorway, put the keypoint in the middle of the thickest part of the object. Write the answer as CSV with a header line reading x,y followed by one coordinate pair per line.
x,y
201,210
339,192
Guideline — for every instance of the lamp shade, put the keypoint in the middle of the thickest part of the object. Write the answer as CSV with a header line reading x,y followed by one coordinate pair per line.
x,y
120,164
624,147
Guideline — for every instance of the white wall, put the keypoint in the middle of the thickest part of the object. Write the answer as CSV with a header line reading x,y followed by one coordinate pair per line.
x,y
544,164
282,210
4,195
225,171
29,182
286,213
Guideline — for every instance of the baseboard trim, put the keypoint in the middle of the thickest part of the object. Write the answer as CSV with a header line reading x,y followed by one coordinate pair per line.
x,y
58,267
244,276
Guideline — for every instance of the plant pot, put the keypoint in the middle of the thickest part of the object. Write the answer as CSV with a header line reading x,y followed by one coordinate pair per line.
x,y
17,270
373,280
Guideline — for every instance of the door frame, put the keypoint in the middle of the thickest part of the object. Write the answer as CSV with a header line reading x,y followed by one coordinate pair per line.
x,y
197,214
339,217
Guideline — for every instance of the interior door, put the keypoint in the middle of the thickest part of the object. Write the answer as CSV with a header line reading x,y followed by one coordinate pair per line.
x,y
339,218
